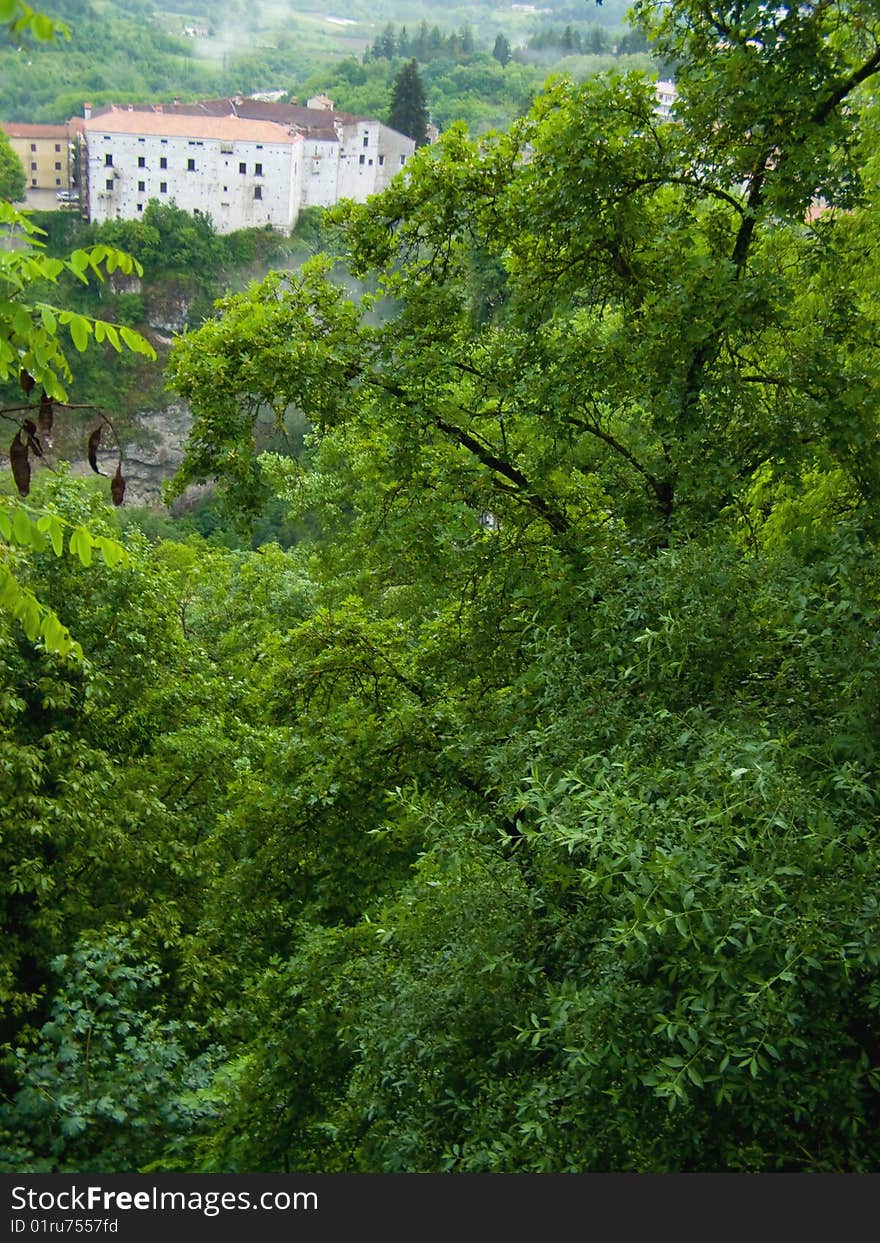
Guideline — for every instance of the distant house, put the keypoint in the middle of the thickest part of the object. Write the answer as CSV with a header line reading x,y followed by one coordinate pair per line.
x,y
243,173
244,161
666,97
46,151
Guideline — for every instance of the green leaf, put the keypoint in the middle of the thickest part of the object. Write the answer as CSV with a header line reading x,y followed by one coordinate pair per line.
x,y
112,552
136,342
81,544
80,329
54,528
23,528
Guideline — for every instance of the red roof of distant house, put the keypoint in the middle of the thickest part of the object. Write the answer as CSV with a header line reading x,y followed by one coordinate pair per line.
x,y
130,120
314,123
15,129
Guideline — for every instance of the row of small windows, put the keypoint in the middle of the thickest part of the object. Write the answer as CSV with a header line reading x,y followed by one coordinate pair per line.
x,y
57,166
190,164
142,185
34,182
57,146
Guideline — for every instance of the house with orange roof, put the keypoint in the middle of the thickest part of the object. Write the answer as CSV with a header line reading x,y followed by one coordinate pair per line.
x,y
246,163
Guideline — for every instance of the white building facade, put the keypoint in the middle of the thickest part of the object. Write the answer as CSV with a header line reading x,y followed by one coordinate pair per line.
x,y
244,174
246,164
666,97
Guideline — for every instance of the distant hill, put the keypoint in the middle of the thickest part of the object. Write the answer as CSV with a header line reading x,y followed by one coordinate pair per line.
x,y
126,50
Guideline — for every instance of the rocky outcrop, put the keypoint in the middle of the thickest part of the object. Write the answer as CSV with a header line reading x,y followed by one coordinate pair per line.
x,y
150,455
167,306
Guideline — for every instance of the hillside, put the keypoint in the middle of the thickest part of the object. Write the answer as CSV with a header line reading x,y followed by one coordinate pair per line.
x,y
126,50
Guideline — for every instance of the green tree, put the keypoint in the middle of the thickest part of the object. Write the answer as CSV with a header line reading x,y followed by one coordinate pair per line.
x,y
12,176
599,512
31,351
110,1085
408,113
501,51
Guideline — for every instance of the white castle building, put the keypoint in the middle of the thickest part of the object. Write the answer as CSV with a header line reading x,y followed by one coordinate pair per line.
x,y
245,162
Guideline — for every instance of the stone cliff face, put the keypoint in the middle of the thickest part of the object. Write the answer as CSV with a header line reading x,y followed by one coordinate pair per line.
x,y
153,443
155,452
168,306
150,454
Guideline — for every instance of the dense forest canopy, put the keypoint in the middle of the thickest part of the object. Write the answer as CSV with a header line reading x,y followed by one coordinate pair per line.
x,y
522,816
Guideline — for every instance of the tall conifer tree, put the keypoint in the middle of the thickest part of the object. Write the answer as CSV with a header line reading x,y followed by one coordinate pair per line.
x,y
409,113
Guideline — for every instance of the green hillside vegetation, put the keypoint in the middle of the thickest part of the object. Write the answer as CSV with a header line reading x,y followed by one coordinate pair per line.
x,y
522,815
126,51
185,262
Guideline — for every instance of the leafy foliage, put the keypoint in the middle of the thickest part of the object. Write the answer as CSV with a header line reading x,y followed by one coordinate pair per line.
x,y
522,817
12,176
110,1085
595,497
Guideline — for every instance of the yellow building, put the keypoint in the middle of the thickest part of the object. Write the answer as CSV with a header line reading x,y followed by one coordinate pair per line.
x,y
46,151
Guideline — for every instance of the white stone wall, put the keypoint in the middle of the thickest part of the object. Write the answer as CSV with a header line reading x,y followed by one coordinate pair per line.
x,y
224,181
358,160
265,192
320,172
395,151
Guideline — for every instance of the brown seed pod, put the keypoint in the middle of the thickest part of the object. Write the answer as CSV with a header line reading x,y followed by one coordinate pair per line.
x,y
94,441
45,419
29,427
26,380
21,467
117,486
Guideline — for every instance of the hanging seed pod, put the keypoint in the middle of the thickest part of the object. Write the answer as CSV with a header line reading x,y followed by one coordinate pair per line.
x,y
94,441
21,467
26,380
29,427
117,486
45,419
